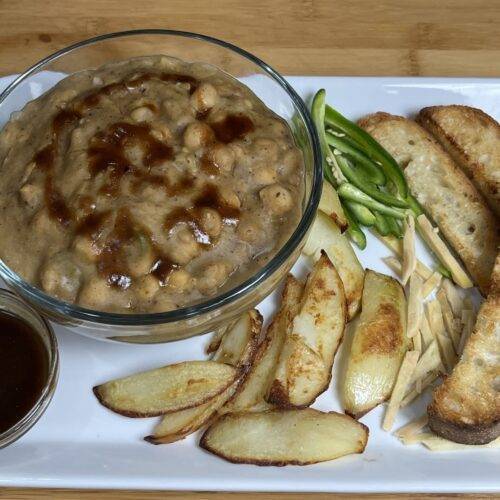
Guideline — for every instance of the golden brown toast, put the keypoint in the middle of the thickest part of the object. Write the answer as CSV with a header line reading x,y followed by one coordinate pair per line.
x,y
466,406
443,190
472,138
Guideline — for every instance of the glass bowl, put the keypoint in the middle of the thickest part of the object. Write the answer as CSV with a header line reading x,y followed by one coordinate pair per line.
x,y
268,85
13,305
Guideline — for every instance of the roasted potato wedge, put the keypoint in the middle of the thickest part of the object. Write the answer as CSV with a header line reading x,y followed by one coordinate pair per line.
x,y
167,389
238,346
378,346
305,364
330,205
325,235
256,384
239,343
216,338
284,437
178,425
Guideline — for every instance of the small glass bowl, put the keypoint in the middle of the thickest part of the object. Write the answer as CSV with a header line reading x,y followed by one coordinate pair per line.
x,y
268,85
13,305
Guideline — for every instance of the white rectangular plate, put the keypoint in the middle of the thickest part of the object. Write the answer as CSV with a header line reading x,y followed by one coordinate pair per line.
x,y
80,444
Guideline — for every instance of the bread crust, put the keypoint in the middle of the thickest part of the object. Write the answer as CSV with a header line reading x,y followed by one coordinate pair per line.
x,y
472,138
466,407
461,433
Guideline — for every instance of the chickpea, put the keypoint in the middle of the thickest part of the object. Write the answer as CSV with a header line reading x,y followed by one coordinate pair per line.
x,y
276,198
162,132
61,277
204,97
290,163
249,231
142,114
210,222
97,293
32,195
197,135
229,197
239,151
146,287
266,149
42,223
180,280
212,277
184,247
264,175
162,302
169,63
86,247
223,156
140,256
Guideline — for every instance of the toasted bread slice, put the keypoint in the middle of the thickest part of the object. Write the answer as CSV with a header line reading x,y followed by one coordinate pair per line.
x,y
466,407
444,191
472,138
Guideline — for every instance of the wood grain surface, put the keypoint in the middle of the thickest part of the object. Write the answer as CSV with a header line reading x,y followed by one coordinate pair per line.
x,y
301,37
63,494
307,37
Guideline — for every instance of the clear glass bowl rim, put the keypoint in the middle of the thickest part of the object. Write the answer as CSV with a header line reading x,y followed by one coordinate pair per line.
x,y
43,401
51,303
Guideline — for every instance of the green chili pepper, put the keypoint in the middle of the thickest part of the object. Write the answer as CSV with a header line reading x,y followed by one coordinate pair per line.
x,y
372,170
414,205
370,189
394,227
381,224
349,192
354,231
318,115
370,147
362,214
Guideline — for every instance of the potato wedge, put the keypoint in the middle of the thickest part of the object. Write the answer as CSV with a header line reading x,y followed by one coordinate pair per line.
x,y
378,346
305,364
239,343
256,384
216,337
167,389
239,346
178,425
325,235
284,437
330,205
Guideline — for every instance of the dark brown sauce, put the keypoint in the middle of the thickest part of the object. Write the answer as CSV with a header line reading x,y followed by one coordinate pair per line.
x,y
92,224
107,153
232,127
65,118
208,198
162,268
44,159
208,165
202,115
24,369
112,262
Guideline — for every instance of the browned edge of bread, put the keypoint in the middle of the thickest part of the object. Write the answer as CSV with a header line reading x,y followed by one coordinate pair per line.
x,y
474,170
462,433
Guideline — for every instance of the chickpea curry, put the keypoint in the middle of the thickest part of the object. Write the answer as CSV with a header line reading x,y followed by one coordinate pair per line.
x,y
146,185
